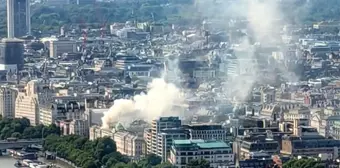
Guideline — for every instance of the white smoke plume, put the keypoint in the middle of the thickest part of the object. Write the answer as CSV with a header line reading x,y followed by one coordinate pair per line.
x,y
264,22
160,100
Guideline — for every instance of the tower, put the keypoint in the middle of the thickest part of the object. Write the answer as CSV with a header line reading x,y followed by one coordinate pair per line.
x,y
18,18
11,55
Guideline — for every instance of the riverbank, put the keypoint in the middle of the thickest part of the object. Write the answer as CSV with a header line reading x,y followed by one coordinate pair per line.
x,y
56,162
8,162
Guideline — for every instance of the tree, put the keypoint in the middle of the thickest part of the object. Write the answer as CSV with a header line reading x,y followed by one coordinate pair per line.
x,y
150,160
164,165
16,135
303,163
201,163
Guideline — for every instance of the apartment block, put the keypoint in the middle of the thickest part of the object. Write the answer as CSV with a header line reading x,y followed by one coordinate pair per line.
x,y
153,143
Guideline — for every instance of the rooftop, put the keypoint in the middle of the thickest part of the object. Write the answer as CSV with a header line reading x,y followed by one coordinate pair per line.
x,y
202,144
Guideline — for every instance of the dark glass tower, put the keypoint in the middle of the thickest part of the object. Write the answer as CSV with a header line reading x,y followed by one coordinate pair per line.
x,y
18,18
11,54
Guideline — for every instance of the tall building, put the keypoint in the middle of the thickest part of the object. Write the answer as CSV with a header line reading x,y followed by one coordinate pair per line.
x,y
166,139
18,18
11,54
7,102
26,104
153,143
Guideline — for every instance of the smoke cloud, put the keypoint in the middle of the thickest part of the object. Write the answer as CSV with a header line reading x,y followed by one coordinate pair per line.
x,y
264,20
160,100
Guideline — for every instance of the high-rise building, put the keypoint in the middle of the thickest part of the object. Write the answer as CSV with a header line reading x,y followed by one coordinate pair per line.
x,y
7,102
11,54
18,18
153,143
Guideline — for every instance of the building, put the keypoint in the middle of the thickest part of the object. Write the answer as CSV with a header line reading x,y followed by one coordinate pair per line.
x,y
79,127
64,126
141,70
166,138
124,60
204,73
98,132
18,18
301,113
335,129
306,141
7,102
325,124
129,144
26,103
58,47
153,144
217,153
309,146
268,95
207,132
246,146
69,110
11,54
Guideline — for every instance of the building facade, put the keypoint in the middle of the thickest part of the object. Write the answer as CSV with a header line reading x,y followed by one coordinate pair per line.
x,y
7,102
58,47
151,134
11,55
26,103
18,18
207,132
217,153
79,127
166,139
129,144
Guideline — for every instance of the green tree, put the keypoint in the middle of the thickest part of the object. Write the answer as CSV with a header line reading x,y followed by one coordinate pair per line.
x,y
303,163
201,163
16,135
150,160
164,165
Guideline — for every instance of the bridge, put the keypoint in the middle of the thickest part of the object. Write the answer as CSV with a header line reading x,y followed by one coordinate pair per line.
x,y
20,143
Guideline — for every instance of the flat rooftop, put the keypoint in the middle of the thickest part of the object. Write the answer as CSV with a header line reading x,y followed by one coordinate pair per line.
x,y
202,144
